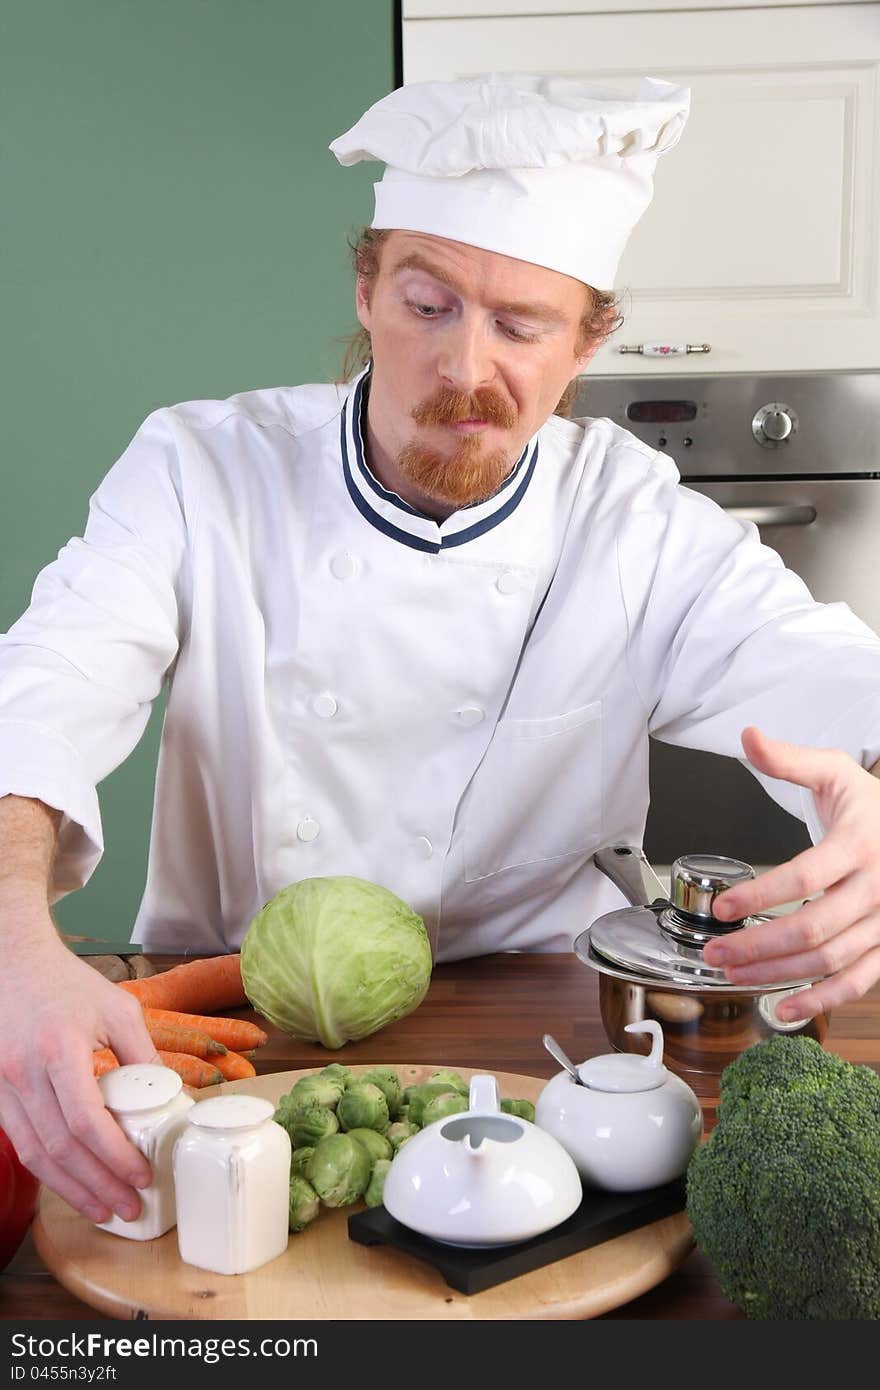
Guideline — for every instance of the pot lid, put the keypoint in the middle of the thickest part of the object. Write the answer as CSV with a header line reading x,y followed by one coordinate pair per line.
x,y
663,943
634,939
627,1071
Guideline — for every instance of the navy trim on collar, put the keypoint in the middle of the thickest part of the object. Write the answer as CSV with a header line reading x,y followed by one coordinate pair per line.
x,y
353,415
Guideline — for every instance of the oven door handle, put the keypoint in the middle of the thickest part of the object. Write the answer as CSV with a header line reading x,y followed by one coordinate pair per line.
x,y
783,514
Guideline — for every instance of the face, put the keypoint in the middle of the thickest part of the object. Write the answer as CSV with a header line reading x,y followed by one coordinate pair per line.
x,y
471,353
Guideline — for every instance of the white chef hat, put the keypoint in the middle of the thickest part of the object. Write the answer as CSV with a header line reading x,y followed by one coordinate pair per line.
x,y
551,170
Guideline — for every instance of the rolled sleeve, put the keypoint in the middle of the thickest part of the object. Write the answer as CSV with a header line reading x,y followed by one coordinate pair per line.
x,y
38,763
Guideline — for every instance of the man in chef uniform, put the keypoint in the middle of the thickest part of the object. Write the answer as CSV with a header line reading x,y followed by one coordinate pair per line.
x,y
418,627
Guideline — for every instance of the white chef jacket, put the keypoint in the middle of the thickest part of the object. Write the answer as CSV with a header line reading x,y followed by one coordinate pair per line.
x,y
459,711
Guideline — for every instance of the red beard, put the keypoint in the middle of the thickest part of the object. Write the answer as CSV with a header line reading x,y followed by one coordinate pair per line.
x,y
472,473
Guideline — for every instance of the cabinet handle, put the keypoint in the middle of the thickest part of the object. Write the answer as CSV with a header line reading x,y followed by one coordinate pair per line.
x,y
782,515
665,349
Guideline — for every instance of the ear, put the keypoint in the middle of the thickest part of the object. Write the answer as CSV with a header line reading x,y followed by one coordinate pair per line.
x,y
588,354
594,344
362,303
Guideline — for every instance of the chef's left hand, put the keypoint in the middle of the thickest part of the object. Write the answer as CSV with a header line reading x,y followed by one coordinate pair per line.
x,y
837,935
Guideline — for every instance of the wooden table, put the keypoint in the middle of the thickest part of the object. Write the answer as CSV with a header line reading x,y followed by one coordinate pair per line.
x,y
491,1013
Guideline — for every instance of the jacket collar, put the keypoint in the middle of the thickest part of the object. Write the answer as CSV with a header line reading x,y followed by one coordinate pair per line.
x,y
399,520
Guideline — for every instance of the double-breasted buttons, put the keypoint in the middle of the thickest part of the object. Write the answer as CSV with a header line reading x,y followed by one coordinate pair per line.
x,y
325,706
469,715
508,583
308,829
344,565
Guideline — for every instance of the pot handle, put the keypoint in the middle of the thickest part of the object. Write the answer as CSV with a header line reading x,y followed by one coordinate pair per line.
x,y
630,871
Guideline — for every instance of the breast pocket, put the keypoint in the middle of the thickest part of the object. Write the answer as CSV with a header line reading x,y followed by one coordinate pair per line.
x,y
537,793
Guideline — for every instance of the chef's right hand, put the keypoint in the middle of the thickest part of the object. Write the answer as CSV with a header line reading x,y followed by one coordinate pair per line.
x,y
54,1011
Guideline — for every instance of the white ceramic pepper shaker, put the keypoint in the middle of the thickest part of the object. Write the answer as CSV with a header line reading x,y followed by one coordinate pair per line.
x,y
150,1106
232,1182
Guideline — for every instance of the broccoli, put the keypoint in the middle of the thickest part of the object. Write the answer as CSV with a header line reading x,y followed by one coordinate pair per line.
x,y
784,1196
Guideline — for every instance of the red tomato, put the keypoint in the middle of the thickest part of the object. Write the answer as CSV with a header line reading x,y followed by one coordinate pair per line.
x,y
18,1200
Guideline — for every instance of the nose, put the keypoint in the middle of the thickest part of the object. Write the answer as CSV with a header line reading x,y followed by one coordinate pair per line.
x,y
465,360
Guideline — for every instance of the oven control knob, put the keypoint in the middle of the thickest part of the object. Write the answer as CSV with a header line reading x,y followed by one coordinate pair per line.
x,y
774,424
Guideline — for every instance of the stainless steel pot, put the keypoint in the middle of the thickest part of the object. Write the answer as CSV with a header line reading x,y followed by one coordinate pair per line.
x,y
650,960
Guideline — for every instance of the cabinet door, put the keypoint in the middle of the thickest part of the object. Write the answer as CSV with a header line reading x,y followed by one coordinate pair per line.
x,y
763,239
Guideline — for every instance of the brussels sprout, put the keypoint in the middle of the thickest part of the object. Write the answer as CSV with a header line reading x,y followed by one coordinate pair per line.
x,y
338,1072
388,1081
299,1160
400,1132
420,1095
334,959
453,1079
303,1204
373,1194
376,1145
339,1170
523,1108
315,1090
362,1106
437,1109
311,1125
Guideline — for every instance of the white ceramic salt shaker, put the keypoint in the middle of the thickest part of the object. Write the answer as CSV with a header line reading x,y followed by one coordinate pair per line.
x,y
232,1180
150,1106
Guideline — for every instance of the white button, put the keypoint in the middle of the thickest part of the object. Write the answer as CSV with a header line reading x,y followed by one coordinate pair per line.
x,y
307,829
344,565
424,848
324,706
469,715
508,583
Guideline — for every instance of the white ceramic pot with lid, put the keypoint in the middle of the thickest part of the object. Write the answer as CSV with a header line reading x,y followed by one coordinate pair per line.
x,y
627,1121
482,1177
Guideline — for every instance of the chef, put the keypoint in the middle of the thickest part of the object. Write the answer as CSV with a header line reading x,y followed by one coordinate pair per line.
x,y
418,627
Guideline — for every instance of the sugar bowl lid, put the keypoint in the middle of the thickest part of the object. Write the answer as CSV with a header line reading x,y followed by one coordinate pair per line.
x,y
627,1071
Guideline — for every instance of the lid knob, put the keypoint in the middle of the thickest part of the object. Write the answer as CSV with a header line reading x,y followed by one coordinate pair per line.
x,y
697,879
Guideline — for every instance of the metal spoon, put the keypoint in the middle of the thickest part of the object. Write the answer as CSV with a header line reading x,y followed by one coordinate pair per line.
x,y
556,1051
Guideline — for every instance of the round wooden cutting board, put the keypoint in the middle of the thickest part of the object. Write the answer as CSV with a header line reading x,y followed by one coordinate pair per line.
x,y
325,1275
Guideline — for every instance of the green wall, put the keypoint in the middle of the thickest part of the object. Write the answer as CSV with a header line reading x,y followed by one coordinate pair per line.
x,y
172,227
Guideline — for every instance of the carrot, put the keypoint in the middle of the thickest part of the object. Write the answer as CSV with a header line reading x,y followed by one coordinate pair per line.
x,y
194,986
171,1037
104,1060
195,1071
234,1067
235,1033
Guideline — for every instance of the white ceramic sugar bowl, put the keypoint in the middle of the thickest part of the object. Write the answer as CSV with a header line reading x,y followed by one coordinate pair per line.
x,y
629,1123
149,1105
232,1181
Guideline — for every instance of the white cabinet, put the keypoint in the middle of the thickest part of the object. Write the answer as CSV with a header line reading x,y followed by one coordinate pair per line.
x,y
763,239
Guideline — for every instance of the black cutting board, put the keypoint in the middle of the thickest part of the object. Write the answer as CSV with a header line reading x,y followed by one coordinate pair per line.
x,y
601,1216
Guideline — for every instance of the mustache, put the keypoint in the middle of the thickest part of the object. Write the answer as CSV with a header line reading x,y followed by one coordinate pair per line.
x,y
448,407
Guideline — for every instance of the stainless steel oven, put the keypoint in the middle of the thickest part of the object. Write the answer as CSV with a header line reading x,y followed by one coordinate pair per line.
x,y
800,456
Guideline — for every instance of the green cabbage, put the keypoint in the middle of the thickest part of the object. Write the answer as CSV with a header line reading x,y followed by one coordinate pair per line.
x,y
332,960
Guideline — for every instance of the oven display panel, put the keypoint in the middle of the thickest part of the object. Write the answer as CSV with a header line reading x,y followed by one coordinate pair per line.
x,y
661,412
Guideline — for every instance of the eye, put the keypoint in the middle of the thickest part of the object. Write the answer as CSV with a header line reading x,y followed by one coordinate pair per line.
x,y
519,335
425,311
